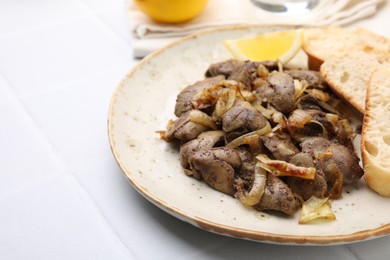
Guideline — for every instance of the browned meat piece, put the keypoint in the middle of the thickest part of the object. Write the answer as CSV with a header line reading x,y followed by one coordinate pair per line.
x,y
308,102
184,129
224,68
204,141
319,149
247,167
339,164
344,134
242,117
302,159
313,145
277,196
245,74
183,100
307,188
310,130
348,163
280,91
333,175
320,117
280,145
271,65
231,136
334,130
217,167
318,126
313,78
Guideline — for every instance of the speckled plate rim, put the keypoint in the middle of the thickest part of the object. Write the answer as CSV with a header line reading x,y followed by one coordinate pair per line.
x,y
212,226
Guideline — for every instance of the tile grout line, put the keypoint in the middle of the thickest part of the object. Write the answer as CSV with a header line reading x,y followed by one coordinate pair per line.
x,y
42,135
99,216
102,21
87,8
43,26
351,252
62,163
32,184
122,41
57,87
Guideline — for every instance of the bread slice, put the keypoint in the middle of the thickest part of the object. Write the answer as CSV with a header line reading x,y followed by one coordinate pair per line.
x,y
321,43
375,144
348,72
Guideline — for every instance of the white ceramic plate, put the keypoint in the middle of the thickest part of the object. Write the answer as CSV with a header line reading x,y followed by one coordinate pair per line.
x,y
144,102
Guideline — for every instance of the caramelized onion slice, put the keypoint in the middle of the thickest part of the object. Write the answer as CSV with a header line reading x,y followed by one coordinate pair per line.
x,y
319,94
248,95
255,194
333,118
267,113
241,90
243,139
284,150
300,87
316,209
210,96
202,118
346,125
298,118
207,97
162,133
225,102
282,168
324,131
279,118
262,71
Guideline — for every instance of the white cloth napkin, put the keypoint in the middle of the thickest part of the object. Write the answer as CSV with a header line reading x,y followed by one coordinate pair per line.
x,y
149,36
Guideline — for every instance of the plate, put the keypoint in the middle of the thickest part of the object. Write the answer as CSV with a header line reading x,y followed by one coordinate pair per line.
x,y
144,102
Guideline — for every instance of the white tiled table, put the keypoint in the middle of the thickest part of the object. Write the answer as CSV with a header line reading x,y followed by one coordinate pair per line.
x,y
62,195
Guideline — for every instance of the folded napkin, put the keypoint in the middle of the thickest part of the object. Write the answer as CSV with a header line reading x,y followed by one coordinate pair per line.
x,y
149,36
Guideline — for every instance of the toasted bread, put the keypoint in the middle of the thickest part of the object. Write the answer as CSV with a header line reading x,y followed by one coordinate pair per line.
x,y
348,72
375,143
321,43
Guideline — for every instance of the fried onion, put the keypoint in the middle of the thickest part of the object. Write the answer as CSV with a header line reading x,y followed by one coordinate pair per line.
x,y
202,118
243,139
282,168
254,195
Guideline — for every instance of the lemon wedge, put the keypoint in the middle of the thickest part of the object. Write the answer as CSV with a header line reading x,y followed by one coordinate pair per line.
x,y
171,11
282,46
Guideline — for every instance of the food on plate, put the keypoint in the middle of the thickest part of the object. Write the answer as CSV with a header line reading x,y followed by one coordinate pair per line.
x,y
376,132
281,45
352,61
268,135
323,42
